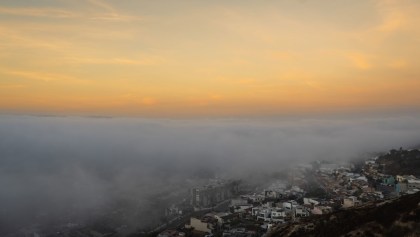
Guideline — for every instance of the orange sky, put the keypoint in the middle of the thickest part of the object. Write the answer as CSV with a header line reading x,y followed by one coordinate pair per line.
x,y
208,58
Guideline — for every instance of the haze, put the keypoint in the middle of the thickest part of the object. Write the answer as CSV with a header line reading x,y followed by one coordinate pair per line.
x,y
59,168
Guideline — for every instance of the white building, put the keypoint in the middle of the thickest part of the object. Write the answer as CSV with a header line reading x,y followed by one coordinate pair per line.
x,y
413,183
310,201
301,211
264,214
278,215
290,205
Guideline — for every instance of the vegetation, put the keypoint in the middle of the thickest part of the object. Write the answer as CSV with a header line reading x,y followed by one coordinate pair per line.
x,y
400,217
400,161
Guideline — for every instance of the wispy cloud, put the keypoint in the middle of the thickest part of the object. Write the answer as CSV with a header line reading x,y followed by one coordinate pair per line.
x,y
114,61
114,18
38,12
41,76
11,86
360,60
20,37
103,5
397,16
110,14
393,22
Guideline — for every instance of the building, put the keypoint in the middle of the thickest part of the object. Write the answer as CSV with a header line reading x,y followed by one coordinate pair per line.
x,y
350,202
413,183
388,180
270,194
278,215
301,211
310,201
206,224
241,208
289,205
264,214
401,187
213,193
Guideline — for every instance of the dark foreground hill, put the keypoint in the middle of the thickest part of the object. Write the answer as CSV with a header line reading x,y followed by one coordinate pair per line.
x,y
398,217
398,162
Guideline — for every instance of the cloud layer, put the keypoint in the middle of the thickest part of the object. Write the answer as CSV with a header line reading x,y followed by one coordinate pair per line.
x,y
67,167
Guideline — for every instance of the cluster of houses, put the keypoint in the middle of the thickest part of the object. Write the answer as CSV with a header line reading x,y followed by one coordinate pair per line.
x,y
345,188
285,202
252,215
389,185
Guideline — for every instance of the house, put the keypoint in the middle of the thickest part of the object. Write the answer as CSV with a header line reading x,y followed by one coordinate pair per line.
x,y
264,214
310,201
316,211
388,180
403,178
350,202
270,194
256,198
401,187
301,211
221,217
413,183
205,224
319,210
290,205
255,211
279,212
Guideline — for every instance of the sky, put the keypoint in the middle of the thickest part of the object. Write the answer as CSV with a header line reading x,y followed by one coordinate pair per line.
x,y
208,58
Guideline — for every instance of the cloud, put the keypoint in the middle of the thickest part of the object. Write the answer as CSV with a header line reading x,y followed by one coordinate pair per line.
x,y
103,5
11,86
114,61
42,76
360,60
392,23
149,101
72,169
394,16
38,12
112,15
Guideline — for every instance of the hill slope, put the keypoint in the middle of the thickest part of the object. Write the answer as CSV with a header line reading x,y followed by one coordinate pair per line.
x,y
398,162
399,217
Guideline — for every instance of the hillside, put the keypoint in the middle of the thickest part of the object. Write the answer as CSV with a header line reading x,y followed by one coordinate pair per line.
x,y
399,217
398,162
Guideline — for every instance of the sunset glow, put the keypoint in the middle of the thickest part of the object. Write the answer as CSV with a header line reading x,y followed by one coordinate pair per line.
x,y
208,58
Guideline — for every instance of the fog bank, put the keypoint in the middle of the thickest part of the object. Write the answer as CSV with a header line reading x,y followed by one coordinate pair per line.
x,y
55,165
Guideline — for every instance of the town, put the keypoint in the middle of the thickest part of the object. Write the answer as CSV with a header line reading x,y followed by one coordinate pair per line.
x,y
231,209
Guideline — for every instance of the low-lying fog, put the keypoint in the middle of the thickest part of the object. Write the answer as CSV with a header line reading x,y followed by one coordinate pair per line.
x,y
53,168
